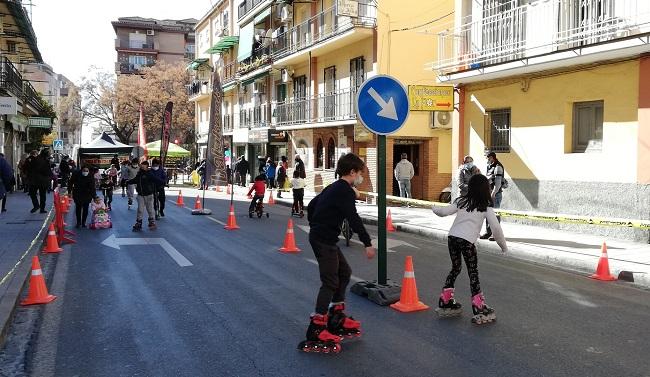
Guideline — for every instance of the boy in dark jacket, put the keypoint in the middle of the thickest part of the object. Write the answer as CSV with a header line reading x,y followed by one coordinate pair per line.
x,y
159,172
107,186
260,188
145,185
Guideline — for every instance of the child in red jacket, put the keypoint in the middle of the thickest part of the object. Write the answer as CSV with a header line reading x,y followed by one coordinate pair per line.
x,y
260,188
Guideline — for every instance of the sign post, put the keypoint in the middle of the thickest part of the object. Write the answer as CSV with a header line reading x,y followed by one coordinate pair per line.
x,y
382,106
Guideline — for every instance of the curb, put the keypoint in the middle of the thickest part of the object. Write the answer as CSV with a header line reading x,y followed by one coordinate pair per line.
x,y
577,263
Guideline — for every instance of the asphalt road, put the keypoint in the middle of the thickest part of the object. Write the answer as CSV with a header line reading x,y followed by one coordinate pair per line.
x,y
241,308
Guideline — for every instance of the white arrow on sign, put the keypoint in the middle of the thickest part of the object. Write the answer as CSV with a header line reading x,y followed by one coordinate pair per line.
x,y
388,109
115,243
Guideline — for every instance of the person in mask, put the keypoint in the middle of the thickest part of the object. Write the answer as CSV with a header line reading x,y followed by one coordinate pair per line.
x,y
325,214
131,173
159,172
299,166
465,172
82,186
145,183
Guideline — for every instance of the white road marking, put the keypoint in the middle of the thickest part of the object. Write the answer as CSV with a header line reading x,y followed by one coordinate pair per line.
x,y
571,295
217,221
115,243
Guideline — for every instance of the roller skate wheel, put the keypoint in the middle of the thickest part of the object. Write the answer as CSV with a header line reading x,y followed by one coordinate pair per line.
x,y
336,349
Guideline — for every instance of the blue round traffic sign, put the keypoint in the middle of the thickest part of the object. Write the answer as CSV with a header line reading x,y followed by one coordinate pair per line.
x,y
382,104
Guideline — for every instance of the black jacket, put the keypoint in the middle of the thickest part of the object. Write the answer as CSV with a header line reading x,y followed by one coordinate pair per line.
x,y
40,173
83,188
300,168
328,209
145,182
242,167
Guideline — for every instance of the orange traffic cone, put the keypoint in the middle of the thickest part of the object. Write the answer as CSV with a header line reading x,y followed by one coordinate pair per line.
x,y
271,200
52,245
389,222
37,290
289,240
232,222
602,271
59,226
228,190
179,200
408,300
197,203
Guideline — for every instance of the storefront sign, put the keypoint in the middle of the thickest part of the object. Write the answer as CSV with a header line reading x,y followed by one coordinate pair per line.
x,y
431,98
258,136
103,162
362,134
8,105
276,136
348,8
40,122
407,141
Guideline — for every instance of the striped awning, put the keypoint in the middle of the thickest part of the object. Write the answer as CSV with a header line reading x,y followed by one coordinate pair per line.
x,y
223,45
196,63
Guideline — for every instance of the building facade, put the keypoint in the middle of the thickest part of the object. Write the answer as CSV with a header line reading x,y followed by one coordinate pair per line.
x,y
560,90
140,42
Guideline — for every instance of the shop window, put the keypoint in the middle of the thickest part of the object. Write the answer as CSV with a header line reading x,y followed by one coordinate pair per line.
x,y
331,151
587,126
497,130
319,154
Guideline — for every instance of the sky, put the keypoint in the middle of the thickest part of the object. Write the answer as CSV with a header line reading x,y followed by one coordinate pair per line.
x,y
73,35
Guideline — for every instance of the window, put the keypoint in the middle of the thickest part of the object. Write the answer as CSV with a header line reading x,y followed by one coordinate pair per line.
x,y
587,126
497,130
137,61
330,93
11,47
319,154
226,24
357,73
331,151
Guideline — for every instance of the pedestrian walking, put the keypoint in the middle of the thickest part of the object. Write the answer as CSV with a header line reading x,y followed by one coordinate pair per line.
x,y
281,177
242,169
298,189
107,186
124,176
7,181
159,172
145,184
325,213
82,186
404,172
40,176
133,170
466,171
299,166
64,171
495,175
470,209
28,169
22,173
269,171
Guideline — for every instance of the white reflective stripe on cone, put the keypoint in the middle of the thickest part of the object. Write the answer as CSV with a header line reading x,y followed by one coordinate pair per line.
x,y
289,230
37,272
51,233
409,274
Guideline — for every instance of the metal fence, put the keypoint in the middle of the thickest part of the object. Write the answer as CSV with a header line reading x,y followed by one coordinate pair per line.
x,y
316,109
10,79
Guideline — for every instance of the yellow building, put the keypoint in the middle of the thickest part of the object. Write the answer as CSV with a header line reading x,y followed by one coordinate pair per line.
x,y
560,90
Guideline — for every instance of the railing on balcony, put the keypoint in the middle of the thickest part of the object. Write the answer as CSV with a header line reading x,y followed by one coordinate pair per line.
x,y
10,78
507,33
246,6
31,97
255,117
198,87
327,107
228,122
129,68
134,45
261,56
322,26
229,73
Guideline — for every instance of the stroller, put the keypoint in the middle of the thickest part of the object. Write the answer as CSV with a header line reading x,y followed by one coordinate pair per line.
x,y
100,217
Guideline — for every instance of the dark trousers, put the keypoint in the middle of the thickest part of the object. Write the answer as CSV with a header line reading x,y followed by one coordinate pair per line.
x,y
161,199
108,197
298,195
42,192
459,249
334,274
4,202
256,198
81,210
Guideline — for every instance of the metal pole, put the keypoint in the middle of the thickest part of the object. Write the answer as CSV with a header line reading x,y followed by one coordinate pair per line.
x,y
381,207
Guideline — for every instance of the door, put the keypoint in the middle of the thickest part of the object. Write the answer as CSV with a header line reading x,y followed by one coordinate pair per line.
x,y
413,152
300,99
330,93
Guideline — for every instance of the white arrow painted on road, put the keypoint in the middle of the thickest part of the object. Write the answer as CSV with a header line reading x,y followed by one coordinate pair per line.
x,y
387,108
115,243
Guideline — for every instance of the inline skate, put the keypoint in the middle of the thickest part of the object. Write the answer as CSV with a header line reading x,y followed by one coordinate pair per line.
x,y
447,305
340,324
319,339
137,226
152,224
130,203
482,312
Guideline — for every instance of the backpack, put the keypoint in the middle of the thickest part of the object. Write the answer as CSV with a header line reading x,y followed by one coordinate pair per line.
x,y
504,181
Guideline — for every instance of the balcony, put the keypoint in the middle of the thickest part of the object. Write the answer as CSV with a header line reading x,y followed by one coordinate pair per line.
x,y
261,56
130,68
544,31
336,106
10,80
229,73
255,117
125,44
228,122
198,89
31,98
246,6
322,27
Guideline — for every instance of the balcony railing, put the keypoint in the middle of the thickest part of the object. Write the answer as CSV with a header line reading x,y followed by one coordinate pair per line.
x,y
255,117
134,45
31,97
322,26
229,73
507,33
261,56
197,88
328,107
129,68
228,122
10,79
246,6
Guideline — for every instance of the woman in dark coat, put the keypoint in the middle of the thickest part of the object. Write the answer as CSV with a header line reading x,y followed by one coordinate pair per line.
x,y
82,186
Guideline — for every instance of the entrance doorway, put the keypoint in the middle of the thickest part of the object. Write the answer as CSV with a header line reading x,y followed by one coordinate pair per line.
x,y
413,152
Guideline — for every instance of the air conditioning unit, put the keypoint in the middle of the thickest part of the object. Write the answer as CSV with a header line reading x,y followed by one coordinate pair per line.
x,y
258,87
150,32
286,13
441,119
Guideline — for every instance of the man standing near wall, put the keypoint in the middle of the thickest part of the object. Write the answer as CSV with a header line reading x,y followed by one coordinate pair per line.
x,y
404,172
495,174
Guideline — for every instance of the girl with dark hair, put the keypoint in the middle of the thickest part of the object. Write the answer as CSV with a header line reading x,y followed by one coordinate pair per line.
x,y
471,210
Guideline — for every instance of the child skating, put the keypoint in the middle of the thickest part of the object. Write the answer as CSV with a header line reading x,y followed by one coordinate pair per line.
x,y
145,184
471,210
325,213
298,189
107,186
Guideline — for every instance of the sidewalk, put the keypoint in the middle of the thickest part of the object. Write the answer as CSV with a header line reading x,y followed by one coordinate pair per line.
x,y
566,250
19,230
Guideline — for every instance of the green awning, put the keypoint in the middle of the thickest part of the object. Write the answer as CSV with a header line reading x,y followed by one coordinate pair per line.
x,y
246,39
229,86
256,77
224,44
196,63
262,15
